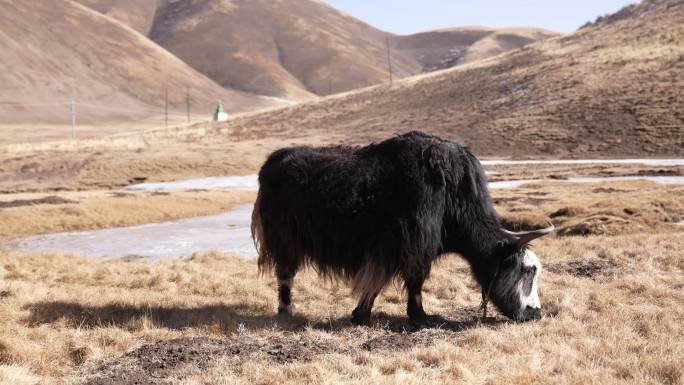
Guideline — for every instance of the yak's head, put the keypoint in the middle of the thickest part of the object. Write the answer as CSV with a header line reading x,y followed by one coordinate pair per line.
x,y
513,288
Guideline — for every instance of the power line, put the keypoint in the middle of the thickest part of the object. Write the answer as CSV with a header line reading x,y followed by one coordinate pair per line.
x,y
389,60
166,107
152,111
34,104
102,106
187,101
73,118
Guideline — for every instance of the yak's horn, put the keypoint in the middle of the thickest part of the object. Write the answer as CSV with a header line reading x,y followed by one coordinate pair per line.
x,y
525,237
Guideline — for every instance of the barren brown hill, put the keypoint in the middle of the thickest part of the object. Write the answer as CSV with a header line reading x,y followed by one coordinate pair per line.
x,y
610,90
52,51
298,48
613,89
137,14
442,49
636,10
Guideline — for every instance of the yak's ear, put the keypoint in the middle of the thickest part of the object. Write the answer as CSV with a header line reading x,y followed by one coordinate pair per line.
x,y
435,162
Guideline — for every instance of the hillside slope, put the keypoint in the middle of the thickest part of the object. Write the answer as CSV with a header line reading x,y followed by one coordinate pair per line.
x,y
51,53
136,14
294,48
300,48
612,89
442,49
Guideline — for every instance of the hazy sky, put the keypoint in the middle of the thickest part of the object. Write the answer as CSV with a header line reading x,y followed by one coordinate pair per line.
x,y
411,16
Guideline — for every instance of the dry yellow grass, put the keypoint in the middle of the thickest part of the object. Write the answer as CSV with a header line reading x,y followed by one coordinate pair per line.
x,y
63,316
613,307
592,209
104,209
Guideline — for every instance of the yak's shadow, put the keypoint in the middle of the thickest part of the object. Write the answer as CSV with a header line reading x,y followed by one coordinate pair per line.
x,y
225,317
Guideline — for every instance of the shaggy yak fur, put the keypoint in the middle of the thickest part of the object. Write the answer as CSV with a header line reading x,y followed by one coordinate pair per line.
x,y
388,210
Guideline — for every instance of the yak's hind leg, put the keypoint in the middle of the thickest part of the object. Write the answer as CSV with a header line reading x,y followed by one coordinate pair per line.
x,y
368,283
362,313
285,284
414,287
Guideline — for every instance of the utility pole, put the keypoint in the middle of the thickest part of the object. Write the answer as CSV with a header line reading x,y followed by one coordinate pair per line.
x,y
187,101
389,60
166,107
73,118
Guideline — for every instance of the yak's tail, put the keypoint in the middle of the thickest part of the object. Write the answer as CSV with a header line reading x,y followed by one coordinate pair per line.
x,y
265,260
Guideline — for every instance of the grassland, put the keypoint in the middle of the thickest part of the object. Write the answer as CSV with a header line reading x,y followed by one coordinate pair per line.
x,y
612,299
30,214
612,285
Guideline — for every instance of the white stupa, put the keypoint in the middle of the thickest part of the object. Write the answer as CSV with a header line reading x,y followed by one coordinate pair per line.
x,y
220,115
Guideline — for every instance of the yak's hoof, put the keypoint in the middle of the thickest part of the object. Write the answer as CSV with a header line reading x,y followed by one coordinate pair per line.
x,y
423,321
360,318
286,310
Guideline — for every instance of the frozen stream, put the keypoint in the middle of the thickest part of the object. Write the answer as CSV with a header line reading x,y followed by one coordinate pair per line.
x,y
250,182
247,182
228,232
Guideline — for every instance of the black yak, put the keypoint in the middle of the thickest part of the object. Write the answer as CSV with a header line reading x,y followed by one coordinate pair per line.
x,y
389,210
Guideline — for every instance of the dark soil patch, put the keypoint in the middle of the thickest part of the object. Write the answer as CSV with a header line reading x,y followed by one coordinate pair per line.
x,y
536,201
586,268
502,200
660,172
49,200
528,200
629,211
596,225
608,190
406,341
397,341
566,212
137,179
523,223
166,362
119,194
159,363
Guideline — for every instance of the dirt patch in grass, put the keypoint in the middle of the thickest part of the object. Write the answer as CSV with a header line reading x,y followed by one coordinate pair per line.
x,y
597,225
49,200
675,171
160,362
168,360
589,268
523,220
608,190
407,341
120,194
566,212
